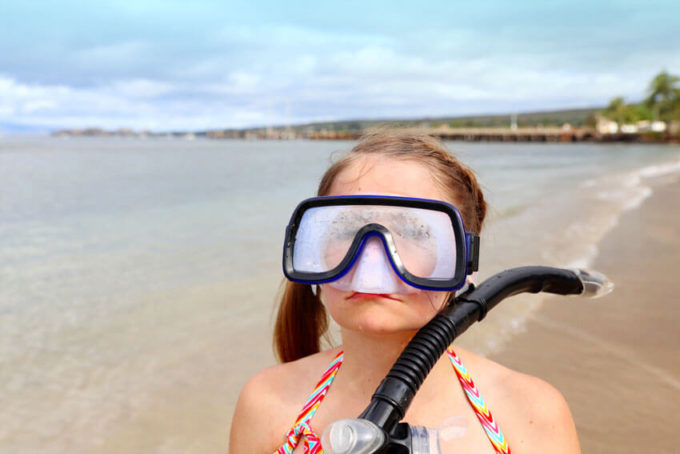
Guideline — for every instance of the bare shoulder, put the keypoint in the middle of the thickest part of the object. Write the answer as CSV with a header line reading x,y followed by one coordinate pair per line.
x,y
531,412
270,401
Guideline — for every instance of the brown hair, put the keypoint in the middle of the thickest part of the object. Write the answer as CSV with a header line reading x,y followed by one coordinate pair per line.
x,y
302,319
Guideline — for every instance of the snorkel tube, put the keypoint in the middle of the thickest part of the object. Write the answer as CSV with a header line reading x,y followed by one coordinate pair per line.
x,y
378,430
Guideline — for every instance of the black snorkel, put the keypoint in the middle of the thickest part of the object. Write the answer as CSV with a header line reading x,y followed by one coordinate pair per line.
x,y
378,429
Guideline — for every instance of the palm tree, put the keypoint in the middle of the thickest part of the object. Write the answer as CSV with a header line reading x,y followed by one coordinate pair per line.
x,y
676,105
663,97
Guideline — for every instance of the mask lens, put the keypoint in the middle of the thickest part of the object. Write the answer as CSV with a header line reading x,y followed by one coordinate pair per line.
x,y
425,242
424,239
313,226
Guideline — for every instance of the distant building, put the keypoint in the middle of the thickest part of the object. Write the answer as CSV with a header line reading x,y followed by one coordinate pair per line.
x,y
651,126
606,126
658,126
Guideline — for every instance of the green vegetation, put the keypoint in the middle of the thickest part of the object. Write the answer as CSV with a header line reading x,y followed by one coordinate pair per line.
x,y
622,113
662,104
575,117
664,98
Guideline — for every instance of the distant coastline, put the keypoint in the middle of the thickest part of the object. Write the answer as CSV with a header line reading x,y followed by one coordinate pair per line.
x,y
573,125
121,132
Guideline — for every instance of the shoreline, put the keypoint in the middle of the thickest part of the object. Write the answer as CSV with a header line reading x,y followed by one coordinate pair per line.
x,y
615,359
536,134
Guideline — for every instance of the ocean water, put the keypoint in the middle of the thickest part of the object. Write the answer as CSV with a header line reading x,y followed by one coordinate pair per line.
x,y
138,277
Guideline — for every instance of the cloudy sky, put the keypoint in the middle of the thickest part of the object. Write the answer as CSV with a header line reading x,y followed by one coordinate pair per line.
x,y
189,65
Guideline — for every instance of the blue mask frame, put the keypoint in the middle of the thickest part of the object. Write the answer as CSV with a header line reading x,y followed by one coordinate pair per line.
x,y
466,242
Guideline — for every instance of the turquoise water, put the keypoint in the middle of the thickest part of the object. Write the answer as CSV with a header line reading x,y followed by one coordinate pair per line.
x,y
130,269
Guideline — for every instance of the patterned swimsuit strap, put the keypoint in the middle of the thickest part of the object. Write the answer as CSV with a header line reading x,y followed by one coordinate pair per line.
x,y
312,442
302,427
493,432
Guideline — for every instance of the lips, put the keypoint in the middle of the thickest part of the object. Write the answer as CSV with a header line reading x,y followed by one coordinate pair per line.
x,y
371,296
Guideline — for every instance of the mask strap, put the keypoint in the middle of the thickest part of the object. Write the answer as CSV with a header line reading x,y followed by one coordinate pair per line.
x,y
469,283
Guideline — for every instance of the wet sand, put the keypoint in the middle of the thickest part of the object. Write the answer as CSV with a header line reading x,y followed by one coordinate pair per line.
x,y
616,359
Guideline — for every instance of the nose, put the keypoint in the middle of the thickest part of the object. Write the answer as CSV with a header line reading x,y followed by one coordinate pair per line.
x,y
373,272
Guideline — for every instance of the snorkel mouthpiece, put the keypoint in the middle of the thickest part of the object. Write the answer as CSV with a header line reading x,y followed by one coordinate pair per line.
x,y
373,273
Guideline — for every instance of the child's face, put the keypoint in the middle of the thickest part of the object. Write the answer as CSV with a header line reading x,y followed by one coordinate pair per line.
x,y
384,313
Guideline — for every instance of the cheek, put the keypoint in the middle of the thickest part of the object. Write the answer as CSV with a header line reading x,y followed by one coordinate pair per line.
x,y
334,252
419,258
428,303
335,302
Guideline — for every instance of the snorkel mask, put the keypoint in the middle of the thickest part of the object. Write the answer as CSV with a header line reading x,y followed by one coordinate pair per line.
x,y
379,244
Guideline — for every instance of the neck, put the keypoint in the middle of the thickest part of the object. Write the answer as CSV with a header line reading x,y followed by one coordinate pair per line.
x,y
373,354
368,358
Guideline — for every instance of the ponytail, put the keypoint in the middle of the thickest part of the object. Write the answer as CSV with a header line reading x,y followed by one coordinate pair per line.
x,y
300,322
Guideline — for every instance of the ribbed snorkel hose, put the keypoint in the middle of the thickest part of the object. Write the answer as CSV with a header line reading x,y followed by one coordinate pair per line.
x,y
395,393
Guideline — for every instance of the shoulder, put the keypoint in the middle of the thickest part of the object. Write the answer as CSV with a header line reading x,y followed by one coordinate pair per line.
x,y
532,413
270,401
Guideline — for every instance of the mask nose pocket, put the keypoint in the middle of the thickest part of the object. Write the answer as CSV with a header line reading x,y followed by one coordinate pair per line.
x,y
372,272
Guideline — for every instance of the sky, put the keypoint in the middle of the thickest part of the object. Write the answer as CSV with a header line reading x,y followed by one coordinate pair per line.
x,y
195,65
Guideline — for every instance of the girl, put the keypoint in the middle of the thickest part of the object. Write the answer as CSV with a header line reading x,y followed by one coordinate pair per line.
x,y
286,408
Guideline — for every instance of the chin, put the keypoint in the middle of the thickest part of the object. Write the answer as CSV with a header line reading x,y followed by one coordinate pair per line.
x,y
387,330
377,313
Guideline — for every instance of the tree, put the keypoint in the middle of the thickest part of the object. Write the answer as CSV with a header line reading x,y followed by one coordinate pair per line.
x,y
618,111
640,112
676,105
664,97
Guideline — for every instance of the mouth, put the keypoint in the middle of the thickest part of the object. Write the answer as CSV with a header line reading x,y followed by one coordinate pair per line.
x,y
371,296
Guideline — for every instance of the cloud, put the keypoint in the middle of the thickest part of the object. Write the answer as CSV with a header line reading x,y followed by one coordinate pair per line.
x,y
136,103
141,88
370,82
62,106
163,65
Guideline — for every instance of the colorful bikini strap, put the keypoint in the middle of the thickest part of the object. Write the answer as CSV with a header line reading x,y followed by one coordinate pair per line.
x,y
302,427
478,405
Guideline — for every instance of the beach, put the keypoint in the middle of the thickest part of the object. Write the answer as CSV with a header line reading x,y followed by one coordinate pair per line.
x,y
616,359
138,283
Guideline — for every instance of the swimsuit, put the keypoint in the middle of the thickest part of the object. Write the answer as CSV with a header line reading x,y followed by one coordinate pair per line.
x,y
312,442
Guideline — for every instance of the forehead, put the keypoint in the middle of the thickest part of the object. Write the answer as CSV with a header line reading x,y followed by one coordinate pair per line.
x,y
386,175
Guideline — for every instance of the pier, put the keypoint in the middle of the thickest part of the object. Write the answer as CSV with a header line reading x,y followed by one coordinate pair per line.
x,y
535,134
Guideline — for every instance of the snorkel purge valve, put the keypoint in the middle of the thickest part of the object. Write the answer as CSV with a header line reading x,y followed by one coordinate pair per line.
x,y
378,430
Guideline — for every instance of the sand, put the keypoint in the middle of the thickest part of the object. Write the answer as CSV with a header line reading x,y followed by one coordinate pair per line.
x,y
616,359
